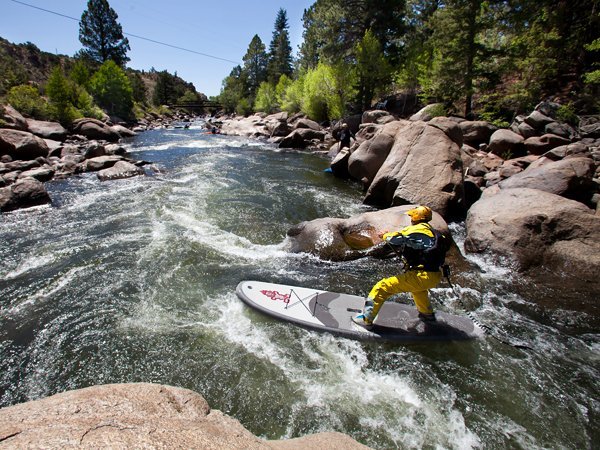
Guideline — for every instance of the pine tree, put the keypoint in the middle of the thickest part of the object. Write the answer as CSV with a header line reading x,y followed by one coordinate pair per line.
x,y
280,50
255,66
102,35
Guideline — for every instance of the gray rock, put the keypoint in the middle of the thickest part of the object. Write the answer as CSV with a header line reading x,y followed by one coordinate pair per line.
x,y
423,167
476,132
537,120
123,131
121,169
21,145
452,128
307,123
504,143
570,178
539,145
95,129
23,193
100,163
425,113
535,228
12,118
367,159
47,130
42,174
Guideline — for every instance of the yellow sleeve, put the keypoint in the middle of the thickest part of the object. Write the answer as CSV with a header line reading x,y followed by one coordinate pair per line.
x,y
389,235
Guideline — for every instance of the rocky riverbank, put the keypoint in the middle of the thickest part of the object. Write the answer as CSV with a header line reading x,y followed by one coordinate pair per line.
x,y
529,193
33,152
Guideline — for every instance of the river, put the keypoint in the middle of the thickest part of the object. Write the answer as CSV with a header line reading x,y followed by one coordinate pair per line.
x,y
134,280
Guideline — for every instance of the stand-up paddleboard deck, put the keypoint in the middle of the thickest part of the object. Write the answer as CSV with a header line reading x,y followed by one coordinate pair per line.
x,y
332,312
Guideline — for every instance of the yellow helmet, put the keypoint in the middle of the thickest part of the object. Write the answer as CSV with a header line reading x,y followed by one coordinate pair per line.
x,y
420,214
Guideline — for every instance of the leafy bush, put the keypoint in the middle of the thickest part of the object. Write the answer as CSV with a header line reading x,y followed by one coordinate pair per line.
x,y
322,99
290,99
566,113
266,98
27,100
243,108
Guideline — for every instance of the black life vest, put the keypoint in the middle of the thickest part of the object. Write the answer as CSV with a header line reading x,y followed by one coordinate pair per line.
x,y
422,251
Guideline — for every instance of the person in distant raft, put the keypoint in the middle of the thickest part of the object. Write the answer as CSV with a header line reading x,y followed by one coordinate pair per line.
x,y
423,250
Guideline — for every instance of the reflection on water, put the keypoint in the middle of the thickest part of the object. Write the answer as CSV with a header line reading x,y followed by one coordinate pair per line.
x,y
134,280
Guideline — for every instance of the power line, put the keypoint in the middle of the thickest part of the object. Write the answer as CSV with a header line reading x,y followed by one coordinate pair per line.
x,y
130,34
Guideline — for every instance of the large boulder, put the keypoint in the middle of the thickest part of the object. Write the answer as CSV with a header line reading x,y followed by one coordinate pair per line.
x,y
506,143
367,159
301,138
138,415
538,145
122,169
24,193
21,145
476,132
100,163
11,118
245,126
95,129
122,131
47,130
306,123
449,126
346,239
534,228
571,178
424,166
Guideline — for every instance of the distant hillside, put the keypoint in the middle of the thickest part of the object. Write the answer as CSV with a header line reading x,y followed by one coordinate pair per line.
x,y
24,63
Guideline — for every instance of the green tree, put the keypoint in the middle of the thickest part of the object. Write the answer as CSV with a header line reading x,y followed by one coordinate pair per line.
x,y
255,66
233,90
61,95
280,51
593,76
266,98
332,28
164,90
140,93
290,94
325,92
80,73
373,70
101,34
112,90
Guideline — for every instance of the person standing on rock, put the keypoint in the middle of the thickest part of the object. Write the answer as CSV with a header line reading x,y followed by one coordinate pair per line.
x,y
423,250
345,136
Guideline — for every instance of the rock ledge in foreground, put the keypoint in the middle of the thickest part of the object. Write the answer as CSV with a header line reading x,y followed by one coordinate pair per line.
x,y
138,415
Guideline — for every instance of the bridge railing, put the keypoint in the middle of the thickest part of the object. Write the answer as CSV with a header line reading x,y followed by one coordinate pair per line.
x,y
196,105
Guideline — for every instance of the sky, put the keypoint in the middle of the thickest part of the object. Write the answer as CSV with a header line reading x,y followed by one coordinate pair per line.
x,y
206,29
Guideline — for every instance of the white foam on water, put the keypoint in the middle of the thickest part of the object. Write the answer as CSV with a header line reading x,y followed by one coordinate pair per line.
x,y
47,292
29,264
340,382
224,242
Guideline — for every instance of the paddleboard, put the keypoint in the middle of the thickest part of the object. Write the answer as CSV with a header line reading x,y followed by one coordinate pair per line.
x,y
332,312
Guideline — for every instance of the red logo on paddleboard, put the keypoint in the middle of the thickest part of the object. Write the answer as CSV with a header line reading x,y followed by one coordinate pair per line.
x,y
274,295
